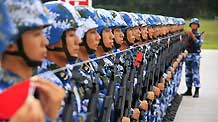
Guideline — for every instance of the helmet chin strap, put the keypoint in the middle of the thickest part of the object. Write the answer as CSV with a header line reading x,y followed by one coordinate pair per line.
x,y
58,49
194,30
64,48
106,49
88,49
66,51
143,40
137,40
126,39
116,45
21,52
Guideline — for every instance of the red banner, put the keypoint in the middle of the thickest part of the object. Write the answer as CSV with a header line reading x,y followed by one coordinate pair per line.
x,y
79,2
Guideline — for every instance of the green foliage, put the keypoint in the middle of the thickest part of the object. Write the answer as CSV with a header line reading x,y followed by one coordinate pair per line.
x,y
176,8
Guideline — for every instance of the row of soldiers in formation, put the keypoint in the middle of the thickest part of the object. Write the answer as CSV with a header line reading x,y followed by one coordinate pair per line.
x,y
98,65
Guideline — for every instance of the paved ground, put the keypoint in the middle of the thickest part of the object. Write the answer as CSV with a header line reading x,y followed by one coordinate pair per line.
x,y
205,108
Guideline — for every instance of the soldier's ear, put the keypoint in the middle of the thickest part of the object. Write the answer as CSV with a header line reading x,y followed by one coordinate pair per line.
x,y
12,47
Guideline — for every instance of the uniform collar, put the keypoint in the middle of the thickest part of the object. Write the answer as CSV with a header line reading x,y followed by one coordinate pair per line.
x,y
8,78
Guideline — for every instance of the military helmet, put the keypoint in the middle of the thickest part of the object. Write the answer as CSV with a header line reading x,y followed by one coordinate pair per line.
x,y
195,21
106,16
89,12
142,20
163,20
119,22
88,24
8,28
137,19
128,19
28,14
150,20
157,20
65,16
170,21
182,21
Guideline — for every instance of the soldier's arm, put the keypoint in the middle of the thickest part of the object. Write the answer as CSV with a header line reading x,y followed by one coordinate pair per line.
x,y
200,40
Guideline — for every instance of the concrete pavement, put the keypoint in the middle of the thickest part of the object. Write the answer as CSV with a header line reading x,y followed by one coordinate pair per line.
x,y
204,108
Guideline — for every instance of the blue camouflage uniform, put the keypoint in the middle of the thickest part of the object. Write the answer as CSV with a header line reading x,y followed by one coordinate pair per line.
x,y
63,78
8,30
88,80
7,79
192,61
66,18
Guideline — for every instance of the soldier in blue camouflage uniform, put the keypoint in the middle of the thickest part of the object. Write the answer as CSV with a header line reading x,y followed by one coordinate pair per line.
x,y
93,89
143,29
130,112
117,30
8,30
118,69
19,60
193,59
64,40
141,62
103,67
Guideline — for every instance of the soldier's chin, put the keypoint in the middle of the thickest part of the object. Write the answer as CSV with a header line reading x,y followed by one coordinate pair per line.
x,y
133,40
95,48
121,42
39,58
44,57
75,55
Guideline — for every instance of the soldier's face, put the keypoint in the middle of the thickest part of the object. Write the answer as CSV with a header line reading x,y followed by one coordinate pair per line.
x,y
181,27
171,28
108,38
168,29
130,35
137,33
156,31
164,30
93,39
34,44
144,32
160,30
150,32
118,35
73,42
194,26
